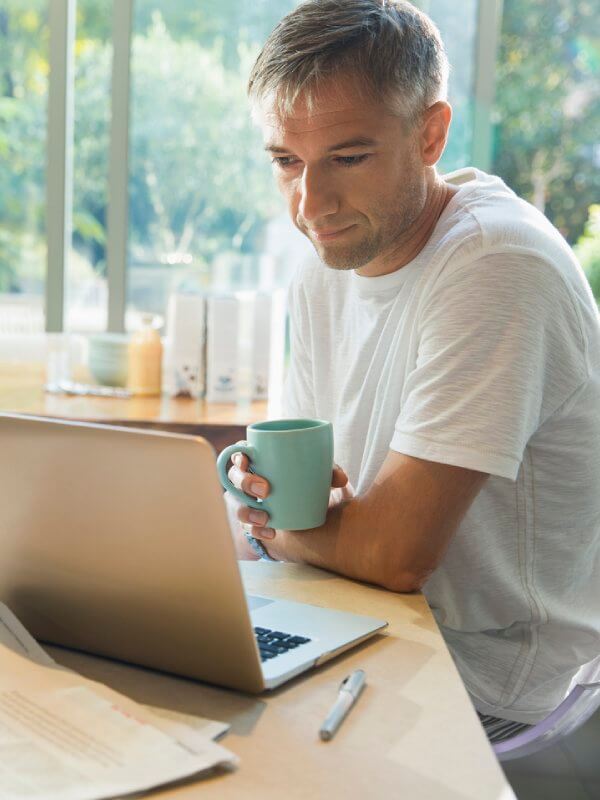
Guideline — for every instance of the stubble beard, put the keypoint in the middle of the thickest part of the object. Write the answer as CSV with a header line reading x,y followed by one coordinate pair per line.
x,y
386,228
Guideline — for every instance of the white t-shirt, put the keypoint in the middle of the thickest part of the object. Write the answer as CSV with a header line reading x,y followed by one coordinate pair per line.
x,y
482,352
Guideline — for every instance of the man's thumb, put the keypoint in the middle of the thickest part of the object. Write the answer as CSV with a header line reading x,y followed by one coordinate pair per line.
x,y
338,477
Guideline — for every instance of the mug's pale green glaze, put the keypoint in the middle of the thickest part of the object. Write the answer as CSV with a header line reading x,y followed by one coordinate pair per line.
x,y
296,457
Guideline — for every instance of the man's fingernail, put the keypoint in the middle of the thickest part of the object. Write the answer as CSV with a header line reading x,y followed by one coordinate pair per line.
x,y
257,489
267,533
257,516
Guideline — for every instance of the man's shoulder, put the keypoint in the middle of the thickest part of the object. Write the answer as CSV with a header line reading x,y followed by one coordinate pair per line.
x,y
490,218
487,226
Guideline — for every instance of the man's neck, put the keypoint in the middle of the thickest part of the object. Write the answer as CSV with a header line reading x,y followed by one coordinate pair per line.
x,y
417,235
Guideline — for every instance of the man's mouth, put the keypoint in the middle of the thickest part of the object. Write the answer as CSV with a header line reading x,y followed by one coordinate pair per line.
x,y
328,235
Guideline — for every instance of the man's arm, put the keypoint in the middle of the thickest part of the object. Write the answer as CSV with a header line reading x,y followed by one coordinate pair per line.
x,y
395,534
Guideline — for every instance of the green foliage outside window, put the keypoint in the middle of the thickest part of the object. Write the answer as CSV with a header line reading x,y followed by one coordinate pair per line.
x,y
548,107
587,250
23,87
194,183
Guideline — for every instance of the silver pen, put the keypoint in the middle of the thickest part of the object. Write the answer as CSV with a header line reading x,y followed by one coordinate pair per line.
x,y
349,690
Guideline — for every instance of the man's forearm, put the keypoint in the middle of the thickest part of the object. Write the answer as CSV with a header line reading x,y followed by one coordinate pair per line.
x,y
347,544
396,533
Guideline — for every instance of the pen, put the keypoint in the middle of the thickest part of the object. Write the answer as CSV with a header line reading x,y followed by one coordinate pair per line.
x,y
348,693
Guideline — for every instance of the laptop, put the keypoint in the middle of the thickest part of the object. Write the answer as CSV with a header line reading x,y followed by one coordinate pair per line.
x,y
116,542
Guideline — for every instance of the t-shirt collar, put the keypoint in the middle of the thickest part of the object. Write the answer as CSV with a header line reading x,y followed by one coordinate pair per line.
x,y
382,284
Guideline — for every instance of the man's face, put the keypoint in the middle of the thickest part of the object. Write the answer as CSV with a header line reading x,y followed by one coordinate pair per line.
x,y
351,175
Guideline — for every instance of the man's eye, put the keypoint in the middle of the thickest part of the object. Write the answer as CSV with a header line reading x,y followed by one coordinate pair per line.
x,y
283,161
351,161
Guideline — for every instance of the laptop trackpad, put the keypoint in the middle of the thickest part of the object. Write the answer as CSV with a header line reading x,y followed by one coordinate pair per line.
x,y
255,602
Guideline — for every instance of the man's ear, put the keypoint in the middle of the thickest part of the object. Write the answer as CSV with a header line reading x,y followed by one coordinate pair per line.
x,y
434,132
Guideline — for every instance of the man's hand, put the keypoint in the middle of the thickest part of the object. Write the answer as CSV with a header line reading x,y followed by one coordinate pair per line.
x,y
257,522
395,533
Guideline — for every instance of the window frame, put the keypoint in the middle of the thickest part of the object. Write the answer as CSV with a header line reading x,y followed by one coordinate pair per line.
x,y
59,187
59,149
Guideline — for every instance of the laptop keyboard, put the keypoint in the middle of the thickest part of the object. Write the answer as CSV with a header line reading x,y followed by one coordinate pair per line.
x,y
275,643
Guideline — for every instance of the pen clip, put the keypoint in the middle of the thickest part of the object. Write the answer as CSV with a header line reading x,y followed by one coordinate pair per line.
x,y
354,683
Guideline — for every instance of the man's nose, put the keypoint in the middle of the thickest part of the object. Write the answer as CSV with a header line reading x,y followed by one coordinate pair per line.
x,y
318,197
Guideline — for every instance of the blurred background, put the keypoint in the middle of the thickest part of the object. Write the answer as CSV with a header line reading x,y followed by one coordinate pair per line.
x,y
194,199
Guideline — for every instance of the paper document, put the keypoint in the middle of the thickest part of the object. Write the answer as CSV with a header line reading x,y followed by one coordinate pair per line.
x,y
63,737
185,726
14,636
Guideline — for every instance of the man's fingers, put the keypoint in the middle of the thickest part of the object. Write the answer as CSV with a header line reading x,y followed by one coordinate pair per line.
x,y
251,516
338,477
341,488
252,485
262,533
257,531
239,468
241,461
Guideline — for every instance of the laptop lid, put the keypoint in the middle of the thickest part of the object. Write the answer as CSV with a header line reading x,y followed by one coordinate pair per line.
x,y
116,541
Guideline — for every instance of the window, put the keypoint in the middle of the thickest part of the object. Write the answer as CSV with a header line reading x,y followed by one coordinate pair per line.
x,y
86,290
23,121
547,110
201,197
458,32
199,202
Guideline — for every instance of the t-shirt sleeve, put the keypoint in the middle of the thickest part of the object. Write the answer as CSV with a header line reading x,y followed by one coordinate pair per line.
x,y
298,395
500,350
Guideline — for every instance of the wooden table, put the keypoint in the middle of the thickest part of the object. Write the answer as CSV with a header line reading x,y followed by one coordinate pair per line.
x,y
22,390
413,733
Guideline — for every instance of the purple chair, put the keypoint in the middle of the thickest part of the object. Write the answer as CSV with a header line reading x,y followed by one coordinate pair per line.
x,y
574,710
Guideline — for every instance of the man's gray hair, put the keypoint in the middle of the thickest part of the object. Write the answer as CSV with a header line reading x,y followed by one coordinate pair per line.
x,y
394,50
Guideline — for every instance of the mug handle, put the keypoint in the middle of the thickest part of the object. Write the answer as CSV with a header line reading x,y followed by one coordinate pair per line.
x,y
223,458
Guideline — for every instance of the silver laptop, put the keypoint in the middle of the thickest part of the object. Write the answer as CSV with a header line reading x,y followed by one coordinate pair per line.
x,y
116,542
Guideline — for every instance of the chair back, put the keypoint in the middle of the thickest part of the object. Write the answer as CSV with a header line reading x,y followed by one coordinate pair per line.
x,y
574,710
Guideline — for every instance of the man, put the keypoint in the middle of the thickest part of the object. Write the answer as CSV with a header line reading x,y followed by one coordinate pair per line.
x,y
450,336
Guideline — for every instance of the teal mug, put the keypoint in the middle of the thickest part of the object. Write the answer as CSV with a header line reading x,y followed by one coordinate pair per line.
x,y
296,457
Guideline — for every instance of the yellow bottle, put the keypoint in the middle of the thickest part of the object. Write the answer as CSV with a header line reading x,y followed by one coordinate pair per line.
x,y
145,360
